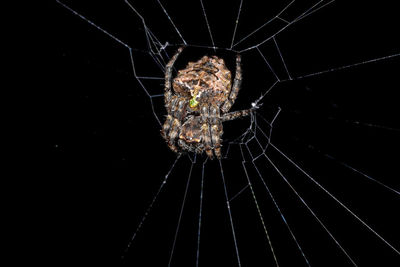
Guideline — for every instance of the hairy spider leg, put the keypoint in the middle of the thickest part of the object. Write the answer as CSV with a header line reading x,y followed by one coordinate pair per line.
x,y
169,120
235,87
205,129
168,73
236,114
173,123
216,130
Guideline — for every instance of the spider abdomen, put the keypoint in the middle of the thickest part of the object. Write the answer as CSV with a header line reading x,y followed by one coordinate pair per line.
x,y
207,79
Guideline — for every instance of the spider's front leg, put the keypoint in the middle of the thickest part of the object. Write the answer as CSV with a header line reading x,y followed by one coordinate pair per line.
x,y
173,103
168,74
233,95
235,87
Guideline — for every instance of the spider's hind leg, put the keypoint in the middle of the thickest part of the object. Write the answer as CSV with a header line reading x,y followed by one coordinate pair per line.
x,y
206,131
216,130
235,87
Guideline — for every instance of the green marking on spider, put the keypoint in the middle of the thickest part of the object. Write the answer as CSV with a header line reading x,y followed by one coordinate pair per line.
x,y
193,102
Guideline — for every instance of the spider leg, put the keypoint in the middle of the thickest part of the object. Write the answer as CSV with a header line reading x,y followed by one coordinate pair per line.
x,y
172,124
168,122
235,87
236,114
172,102
206,131
173,133
216,130
168,128
168,73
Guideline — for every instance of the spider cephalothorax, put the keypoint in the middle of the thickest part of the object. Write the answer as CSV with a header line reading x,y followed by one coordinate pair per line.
x,y
201,98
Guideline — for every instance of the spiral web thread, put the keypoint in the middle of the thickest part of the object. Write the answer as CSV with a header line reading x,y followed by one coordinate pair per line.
x,y
259,133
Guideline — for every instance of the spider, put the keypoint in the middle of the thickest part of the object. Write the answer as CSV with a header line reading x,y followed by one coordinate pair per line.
x,y
199,103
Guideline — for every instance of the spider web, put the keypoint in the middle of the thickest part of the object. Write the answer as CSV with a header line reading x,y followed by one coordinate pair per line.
x,y
308,178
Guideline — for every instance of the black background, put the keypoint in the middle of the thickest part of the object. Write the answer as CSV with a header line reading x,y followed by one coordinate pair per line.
x,y
104,158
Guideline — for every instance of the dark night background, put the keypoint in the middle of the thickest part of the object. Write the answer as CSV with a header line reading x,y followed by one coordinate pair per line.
x,y
104,158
